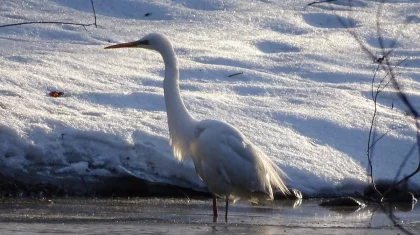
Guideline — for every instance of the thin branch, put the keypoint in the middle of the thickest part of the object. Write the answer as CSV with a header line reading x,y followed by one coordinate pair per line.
x,y
384,63
317,2
400,93
380,137
379,87
394,219
369,151
45,22
357,38
373,213
94,14
56,22
373,79
399,182
398,64
388,67
404,162
235,74
415,114
378,29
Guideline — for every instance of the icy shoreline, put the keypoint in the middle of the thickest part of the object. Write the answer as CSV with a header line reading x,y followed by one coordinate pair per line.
x,y
191,216
303,93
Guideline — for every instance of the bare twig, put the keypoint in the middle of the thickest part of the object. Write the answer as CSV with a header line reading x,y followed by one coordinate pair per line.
x,y
373,213
373,80
407,156
415,114
394,219
381,88
369,151
235,74
399,182
380,137
94,14
403,97
56,22
45,22
385,64
375,95
317,2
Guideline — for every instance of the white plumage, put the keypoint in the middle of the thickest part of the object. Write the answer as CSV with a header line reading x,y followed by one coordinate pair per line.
x,y
231,165
228,163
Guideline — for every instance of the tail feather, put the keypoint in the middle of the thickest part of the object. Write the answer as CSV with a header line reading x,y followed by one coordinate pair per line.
x,y
275,179
270,173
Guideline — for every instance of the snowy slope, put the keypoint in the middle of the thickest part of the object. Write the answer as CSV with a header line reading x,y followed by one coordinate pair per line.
x,y
304,95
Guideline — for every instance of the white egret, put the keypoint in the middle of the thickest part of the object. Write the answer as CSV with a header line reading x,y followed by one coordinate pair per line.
x,y
228,163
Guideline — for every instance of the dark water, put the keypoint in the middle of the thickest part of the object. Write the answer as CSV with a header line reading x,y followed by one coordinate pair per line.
x,y
183,216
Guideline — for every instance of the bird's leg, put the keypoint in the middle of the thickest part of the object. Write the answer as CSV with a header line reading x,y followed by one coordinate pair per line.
x,y
214,208
227,204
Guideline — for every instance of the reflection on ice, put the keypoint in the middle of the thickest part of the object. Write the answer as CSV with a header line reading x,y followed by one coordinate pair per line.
x,y
287,213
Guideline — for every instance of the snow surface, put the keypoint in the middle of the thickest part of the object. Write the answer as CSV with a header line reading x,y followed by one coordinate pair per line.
x,y
304,95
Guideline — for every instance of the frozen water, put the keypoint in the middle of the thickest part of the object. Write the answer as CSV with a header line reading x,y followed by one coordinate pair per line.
x,y
303,94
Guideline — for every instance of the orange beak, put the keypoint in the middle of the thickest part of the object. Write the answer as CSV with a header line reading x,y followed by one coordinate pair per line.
x,y
121,45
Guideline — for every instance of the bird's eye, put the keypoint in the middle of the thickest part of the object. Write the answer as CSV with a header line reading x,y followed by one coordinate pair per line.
x,y
144,42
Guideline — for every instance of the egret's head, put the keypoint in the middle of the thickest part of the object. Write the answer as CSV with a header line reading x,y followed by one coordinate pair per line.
x,y
153,41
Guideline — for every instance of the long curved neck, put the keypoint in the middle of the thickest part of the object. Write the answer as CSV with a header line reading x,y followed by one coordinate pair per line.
x,y
175,108
181,124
